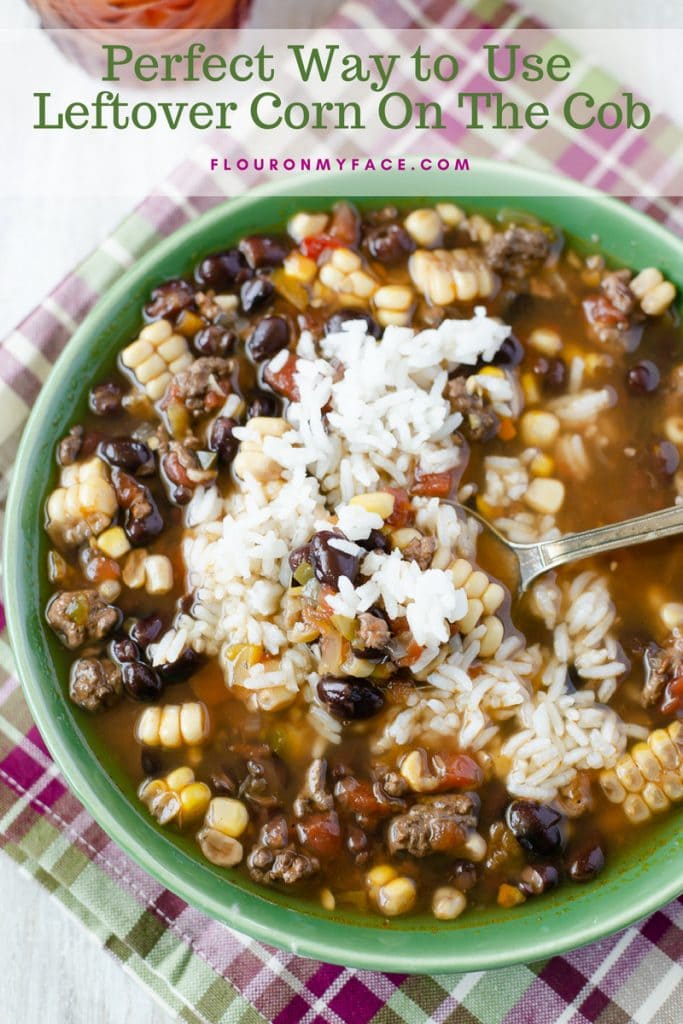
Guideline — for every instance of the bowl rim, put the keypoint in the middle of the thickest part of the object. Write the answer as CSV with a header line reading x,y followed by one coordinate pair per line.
x,y
254,915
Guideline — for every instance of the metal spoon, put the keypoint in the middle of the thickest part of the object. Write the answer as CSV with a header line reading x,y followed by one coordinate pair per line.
x,y
532,560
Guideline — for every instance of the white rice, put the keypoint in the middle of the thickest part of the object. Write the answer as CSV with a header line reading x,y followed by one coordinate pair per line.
x,y
383,417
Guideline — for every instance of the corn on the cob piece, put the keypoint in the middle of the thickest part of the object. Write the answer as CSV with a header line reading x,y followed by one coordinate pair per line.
x,y
648,778
653,292
483,598
445,276
173,725
84,504
343,273
155,356
177,797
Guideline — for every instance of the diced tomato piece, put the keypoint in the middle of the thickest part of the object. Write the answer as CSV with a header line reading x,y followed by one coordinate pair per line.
x,y
403,513
282,380
456,771
507,429
315,245
433,485
321,834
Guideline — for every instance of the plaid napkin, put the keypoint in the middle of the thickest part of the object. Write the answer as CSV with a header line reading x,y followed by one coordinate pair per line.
x,y
200,970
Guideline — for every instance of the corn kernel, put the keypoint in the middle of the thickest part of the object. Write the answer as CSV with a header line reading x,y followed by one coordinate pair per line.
x,y
671,614
546,341
402,537
221,850
397,896
492,598
301,268
179,777
394,297
542,465
327,900
532,392
158,574
194,799
133,573
654,798
476,584
635,808
509,896
424,227
539,429
450,214
492,638
545,495
460,571
379,502
673,428
306,225
659,299
629,774
392,318
448,903
113,542
472,616
380,875
228,816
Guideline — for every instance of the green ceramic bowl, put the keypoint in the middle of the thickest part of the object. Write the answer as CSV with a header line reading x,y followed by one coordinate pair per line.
x,y
636,881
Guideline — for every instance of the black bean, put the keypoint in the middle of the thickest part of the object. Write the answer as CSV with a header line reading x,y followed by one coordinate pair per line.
x,y
141,529
256,293
538,878
390,244
537,827
263,251
125,650
169,299
222,440
377,541
214,341
222,269
148,630
223,783
141,682
298,556
585,862
643,378
665,457
105,399
350,699
181,494
552,373
463,875
126,453
329,563
358,844
334,323
262,403
185,665
510,353
150,761
269,336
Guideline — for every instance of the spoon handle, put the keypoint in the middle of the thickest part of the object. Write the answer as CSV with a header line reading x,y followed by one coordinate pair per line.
x,y
537,558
